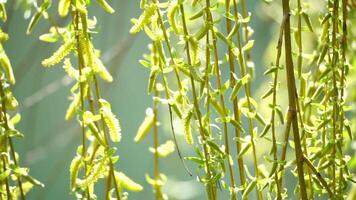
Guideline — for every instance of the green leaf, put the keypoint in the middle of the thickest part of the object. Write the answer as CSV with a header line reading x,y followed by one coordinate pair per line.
x,y
267,93
202,32
248,45
197,14
280,114
265,130
307,21
5,174
272,69
260,119
36,18
249,188
215,147
244,150
196,160
239,83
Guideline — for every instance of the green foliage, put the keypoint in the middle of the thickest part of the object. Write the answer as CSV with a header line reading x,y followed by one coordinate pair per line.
x,y
95,159
187,74
15,181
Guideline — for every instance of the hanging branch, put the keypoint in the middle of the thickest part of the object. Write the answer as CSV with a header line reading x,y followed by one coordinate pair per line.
x,y
94,157
292,111
15,181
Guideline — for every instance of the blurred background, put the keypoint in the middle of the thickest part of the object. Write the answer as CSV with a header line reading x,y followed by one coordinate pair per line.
x,y
50,141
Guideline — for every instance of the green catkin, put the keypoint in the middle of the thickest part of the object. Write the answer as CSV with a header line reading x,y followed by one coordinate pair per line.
x,y
111,121
144,128
171,14
6,66
187,129
144,19
127,183
73,171
63,51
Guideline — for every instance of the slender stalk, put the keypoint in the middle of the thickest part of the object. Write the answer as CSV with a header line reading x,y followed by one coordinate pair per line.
x,y
335,54
246,30
81,88
7,186
242,63
155,146
208,100
7,128
274,104
319,176
222,100
234,102
169,47
103,125
196,105
342,84
292,99
300,68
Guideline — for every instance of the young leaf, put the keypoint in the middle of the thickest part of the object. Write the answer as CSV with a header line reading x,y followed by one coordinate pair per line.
x,y
307,21
244,150
249,188
248,45
265,130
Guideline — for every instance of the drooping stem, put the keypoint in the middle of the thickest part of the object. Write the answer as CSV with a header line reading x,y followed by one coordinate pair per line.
x,y
234,102
342,84
81,89
243,70
319,176
334,62
202,131
274,105
7,128
292,99
103,126
222,99
7,186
